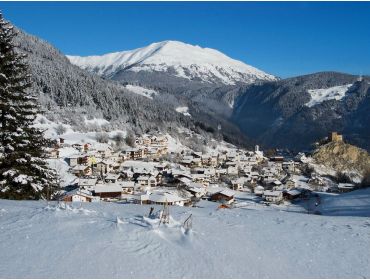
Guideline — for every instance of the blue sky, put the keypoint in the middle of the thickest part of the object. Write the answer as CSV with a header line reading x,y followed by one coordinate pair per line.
x,y
284,39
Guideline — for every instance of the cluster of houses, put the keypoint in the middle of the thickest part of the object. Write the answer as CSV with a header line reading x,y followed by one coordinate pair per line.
x,y
141,175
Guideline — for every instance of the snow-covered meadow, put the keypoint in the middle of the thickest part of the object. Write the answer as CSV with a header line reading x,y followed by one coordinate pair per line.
x,y
107,240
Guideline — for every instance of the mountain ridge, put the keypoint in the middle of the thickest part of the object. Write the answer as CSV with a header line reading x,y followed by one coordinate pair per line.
x,y
182,59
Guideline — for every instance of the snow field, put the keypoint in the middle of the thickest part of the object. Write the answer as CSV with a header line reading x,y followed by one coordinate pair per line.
x,y
117,241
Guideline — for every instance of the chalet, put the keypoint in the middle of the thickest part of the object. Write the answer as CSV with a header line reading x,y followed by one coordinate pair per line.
x,y
106,191
81,170
292,194
167,198
225,196
201,178
135,153
273,196
141,199
87,184
146,180
81,196
289,166
73,160
238,184
196,189
290,183
159,140
112,178
128,187
103,166
53,152
104,150
258,190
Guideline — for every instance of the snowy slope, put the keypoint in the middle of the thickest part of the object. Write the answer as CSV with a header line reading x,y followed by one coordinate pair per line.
x,y
188,61
320,95
149,93
106,240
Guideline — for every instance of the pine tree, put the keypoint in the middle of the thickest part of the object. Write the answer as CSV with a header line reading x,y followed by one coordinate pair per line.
x,y
24,173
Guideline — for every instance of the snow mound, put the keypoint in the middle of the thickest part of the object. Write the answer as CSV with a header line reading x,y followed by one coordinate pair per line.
x,y
186,60
320,95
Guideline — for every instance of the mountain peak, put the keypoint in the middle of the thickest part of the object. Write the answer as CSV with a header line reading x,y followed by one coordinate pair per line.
x,y
188,61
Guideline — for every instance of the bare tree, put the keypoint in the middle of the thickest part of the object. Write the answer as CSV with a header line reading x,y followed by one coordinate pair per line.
x,y
102,137
130,139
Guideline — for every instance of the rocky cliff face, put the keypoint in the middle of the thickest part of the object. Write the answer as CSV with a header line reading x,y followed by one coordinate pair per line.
x,y
343,157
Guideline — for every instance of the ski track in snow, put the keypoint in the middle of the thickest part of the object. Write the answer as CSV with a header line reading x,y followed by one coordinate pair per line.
x,y
106,240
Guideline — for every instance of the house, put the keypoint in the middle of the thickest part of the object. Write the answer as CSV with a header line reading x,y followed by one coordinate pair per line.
x,y
72,160
167,198
292,194
258,190
273,196
289,166
128,187
134,153
105,150
146,180
103,166
112,178
53,152
106,191
225,196
290,183
141,199
81,196
81,170
87,184
238,184
196,189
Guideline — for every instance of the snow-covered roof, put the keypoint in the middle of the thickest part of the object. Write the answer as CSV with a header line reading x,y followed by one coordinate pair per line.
x,y
227,192
80,167
112,176
272,193
127,184
107,188
165,197
87,182
294,192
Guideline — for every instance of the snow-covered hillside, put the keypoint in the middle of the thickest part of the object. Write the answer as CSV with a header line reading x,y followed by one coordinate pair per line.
x,y
149,93
320,95
187,61
107,240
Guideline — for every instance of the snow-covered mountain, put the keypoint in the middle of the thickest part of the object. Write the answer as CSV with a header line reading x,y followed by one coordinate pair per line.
x,y
180,59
